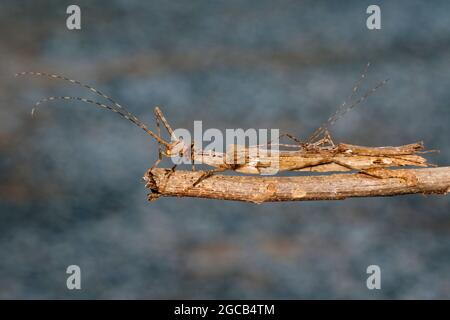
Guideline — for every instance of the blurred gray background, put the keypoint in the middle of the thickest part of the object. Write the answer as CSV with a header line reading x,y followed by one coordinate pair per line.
x,y
70,188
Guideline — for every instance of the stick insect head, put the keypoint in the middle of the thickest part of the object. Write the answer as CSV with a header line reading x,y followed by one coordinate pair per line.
x,y
177,148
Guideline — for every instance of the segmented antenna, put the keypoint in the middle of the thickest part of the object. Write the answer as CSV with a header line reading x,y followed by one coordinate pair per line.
x,y
98,92
134,120
343,109
117,108
356,86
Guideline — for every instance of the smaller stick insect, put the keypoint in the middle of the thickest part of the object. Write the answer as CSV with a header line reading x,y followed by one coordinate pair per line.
x,y
317,153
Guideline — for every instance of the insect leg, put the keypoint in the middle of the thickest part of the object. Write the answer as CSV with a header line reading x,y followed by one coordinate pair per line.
x,y
160,157
382,173
160,152
310,165
359,170
290,136
192,156
295,139
170,171
328,138
325,140
208,174
159,115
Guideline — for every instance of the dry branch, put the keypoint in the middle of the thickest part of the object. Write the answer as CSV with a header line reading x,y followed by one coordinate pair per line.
x,y
258,189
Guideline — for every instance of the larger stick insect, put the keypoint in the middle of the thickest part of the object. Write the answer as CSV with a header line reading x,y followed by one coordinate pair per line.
x,y
318,153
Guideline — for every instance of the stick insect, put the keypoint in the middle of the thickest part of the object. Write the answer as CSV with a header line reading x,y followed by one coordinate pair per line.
x,y
318,153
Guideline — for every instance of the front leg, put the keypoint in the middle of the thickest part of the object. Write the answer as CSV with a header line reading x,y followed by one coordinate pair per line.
x,y
160,157
208,174
192,156
160,151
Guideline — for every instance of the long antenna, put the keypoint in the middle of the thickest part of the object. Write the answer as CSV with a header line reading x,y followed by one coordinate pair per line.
x,y
57,76
117,108
343,109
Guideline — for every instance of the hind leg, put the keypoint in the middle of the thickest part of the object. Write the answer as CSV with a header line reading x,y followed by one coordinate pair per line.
x,y
382,173
363,171
326,140
290,136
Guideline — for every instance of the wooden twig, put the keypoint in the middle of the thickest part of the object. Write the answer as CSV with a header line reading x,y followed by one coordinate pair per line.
x,y
258,189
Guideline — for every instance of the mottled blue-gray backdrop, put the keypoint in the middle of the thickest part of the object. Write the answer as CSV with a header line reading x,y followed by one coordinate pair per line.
x,y
70,188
